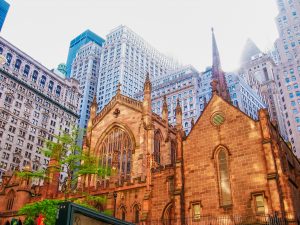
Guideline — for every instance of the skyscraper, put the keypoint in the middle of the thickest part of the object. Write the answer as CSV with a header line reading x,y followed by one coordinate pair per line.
x,y
125,59
4,7
287,72
257,71
250,49
79,41
35,104
85,69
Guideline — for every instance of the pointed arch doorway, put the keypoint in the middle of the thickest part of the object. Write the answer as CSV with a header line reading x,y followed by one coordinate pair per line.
x,y
168,215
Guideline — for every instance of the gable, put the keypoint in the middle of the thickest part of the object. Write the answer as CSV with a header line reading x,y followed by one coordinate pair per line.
x,y
119,114
118,100
219,114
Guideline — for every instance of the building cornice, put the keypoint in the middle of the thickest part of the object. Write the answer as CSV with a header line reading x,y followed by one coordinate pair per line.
x,y
39,93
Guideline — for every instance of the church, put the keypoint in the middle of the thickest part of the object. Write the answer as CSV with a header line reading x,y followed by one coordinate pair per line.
x,y
230,169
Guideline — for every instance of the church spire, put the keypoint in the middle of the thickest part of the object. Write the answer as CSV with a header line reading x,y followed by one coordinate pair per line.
x,y
218,75
216,55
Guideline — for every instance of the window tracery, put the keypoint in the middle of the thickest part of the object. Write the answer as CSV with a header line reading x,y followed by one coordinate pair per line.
x,y
10,200
173,152
116,151
157,146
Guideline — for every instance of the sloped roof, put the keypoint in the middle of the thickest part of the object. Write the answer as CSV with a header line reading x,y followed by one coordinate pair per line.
x,y
250,49
210,102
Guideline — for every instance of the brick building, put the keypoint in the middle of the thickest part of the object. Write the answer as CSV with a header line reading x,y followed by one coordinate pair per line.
x,y
228,169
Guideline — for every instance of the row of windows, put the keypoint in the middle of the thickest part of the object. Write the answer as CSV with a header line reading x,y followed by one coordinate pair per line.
x,y
34,76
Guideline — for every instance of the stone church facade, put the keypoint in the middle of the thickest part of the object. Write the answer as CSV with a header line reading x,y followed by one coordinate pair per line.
x,y
227,170
228,165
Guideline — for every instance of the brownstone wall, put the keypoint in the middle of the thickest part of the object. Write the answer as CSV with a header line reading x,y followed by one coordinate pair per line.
x,y
161,194
241,136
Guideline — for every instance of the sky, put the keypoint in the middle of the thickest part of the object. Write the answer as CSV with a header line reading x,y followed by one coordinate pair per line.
x,y
180,29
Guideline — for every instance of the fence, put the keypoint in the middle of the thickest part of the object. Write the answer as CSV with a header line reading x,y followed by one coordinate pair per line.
x,y
226,220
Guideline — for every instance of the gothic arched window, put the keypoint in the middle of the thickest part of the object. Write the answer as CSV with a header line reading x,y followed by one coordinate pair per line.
x,y
123,213
157,140
173,152
116,150
224,182
136,211
10,200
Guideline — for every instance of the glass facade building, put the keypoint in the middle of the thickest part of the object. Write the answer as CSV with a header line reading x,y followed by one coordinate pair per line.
x,y
85,69
4,6
79,41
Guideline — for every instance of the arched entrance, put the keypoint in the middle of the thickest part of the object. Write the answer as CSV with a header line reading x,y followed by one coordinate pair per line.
x,y
168,214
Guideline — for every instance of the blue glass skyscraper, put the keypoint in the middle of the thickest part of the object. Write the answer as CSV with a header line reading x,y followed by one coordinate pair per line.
x,y
79,41
4,6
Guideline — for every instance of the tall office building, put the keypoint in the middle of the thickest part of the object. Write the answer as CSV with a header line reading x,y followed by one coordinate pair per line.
x,y
4,7
258,73
85,69
79,41
35,104
287,72
250,49
125,59
182,84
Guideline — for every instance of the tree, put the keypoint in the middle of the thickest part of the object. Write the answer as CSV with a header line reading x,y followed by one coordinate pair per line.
x,y
75,163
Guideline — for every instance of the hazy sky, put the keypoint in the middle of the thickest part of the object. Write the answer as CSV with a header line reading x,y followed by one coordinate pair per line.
x,y
177,28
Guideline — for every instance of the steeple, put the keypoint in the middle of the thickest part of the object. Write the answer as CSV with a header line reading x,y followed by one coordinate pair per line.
x,y
165,117
178,115
216,55
218,75
93,111
147,103
165,109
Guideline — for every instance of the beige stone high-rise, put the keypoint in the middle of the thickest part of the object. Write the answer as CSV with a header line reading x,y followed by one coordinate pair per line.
x,y
35,105
287,72
257,69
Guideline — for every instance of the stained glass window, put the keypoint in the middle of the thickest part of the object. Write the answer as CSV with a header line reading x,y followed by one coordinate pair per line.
x,y
119,143
224,178
157,139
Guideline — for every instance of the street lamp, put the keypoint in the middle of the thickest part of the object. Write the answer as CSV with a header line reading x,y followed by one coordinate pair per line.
x,y
115,203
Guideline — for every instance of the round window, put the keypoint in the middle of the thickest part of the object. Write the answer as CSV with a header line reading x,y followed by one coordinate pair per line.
x,y
218,118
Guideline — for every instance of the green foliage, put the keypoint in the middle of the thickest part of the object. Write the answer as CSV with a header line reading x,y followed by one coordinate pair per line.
x,y
76,163
48,208
32,174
